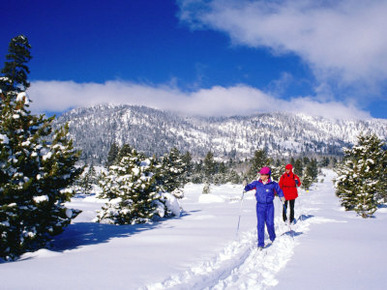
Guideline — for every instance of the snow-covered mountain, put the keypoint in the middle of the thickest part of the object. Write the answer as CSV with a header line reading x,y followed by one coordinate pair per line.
x,y
152,131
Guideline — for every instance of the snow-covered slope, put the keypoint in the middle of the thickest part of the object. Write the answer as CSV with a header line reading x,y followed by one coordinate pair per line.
x,y
152,131
328,248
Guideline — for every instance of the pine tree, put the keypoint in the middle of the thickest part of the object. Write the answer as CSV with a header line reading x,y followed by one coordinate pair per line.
x,y
209,167
132,190
361,177
112,155
87,181
125,150
36,167
312,169
277,170
15,71
171,174
189,168
259,160
298,168
310,174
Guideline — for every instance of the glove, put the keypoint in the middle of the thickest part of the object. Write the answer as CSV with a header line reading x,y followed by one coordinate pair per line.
x,y
282,199
244,183
296,182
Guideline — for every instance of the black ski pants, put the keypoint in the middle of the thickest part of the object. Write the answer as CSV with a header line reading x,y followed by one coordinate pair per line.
x,y
291,203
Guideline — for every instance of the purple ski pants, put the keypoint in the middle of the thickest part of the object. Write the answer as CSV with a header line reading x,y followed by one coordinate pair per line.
x,y
265,215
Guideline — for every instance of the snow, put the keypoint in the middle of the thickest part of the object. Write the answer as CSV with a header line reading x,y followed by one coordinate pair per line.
x,y
46,156
210,198
22,97
328,248
4,139
41,198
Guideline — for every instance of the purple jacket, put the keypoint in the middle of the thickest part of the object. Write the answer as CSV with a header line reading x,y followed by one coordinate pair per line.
x,y
264,193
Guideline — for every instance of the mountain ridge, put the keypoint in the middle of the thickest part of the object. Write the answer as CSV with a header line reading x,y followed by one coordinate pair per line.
x,y
154,131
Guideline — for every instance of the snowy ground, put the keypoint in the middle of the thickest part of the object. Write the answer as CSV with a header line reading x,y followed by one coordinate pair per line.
x,y
328,248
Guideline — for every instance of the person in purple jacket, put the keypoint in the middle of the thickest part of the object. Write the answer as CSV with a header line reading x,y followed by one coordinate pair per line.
x,y
265,189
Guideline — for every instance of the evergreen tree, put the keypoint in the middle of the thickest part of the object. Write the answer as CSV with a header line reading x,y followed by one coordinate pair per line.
x,y
312,169
125,150
324,162
15,71
112,155
36,167
187,160
307,181
259,160
298,168
171,174
88,180
131,188
209,167
234,177
310,174
361,177
277,171
305,161
133,192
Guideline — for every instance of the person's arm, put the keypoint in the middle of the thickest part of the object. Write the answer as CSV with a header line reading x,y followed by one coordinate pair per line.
x,y
281,181
279,192
250,186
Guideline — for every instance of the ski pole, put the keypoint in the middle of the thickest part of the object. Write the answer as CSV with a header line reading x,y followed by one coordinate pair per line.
x,y
240,212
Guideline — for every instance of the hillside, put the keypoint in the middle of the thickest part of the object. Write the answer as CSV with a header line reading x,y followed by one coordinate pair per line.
x,y
152,131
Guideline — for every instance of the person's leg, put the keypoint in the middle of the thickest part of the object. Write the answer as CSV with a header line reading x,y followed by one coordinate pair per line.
x,y
284,208
291,203
270,221
261,217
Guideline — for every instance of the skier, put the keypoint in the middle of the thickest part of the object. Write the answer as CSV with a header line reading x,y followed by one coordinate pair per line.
x,y
289,183
265,190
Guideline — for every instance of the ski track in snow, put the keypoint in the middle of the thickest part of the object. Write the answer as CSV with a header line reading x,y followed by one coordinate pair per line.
x,y
239,265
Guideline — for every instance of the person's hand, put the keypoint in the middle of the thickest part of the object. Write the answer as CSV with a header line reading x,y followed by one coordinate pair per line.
x,y
282,199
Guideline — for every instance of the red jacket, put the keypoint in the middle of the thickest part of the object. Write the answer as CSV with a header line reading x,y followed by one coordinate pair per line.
x,y
288,185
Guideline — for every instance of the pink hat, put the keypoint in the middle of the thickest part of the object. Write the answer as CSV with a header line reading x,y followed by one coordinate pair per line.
x,y
265,170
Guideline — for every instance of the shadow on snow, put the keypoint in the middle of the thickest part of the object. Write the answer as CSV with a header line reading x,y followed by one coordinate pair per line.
x,y
91,233
292,233
304,217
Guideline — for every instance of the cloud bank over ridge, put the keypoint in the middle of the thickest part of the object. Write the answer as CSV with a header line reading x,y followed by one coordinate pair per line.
x,y
59,96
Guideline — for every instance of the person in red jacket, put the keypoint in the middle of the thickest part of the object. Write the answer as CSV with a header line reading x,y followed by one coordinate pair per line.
x,y
289,183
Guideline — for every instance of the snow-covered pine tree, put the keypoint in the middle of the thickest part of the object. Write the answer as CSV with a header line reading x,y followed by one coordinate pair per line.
x,y
133,194
88,179
36,165
15,71
277,170
234,177
171,175
361,177
259,160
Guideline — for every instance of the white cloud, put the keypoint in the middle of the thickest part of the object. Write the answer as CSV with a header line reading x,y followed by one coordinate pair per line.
x,y
343,41
57,96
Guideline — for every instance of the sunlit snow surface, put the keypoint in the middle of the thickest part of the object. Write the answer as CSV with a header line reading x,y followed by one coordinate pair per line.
x,y
327,248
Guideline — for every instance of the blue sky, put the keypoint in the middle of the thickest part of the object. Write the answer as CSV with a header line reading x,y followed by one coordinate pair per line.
x,y
210,57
